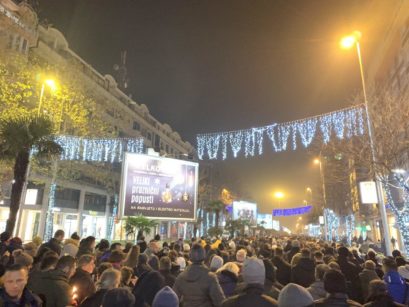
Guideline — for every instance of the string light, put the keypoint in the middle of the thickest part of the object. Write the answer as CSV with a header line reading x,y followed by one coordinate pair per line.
x,y
344,123
292,211
349,227
50,216
332,224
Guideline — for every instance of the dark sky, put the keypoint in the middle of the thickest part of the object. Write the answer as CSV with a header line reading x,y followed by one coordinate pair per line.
x,y
207,66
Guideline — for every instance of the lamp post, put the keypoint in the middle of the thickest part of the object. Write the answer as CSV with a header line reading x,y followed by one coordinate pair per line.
x,y
318,161
51,84
349,42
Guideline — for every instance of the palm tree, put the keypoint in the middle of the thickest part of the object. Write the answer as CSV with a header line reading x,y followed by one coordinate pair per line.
x,y
216,206
21,136
137,225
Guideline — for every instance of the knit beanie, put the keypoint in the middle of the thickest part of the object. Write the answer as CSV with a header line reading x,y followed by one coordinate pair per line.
x,y
216,263
166,297
254,271
118,297
197,253
294,295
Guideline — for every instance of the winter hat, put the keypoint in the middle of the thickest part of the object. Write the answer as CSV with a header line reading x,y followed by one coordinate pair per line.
x,y
181,262
118,297
216,263
294,295
166,298
197,253
254,271
186,247
241,255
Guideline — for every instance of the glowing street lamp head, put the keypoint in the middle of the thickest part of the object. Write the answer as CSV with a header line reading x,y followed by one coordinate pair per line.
x,y
51,84
308,189
349,41
316,162
279,195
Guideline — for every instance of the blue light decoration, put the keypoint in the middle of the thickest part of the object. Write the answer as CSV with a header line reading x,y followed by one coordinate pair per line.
x,y
344,123
349,227
292,211
332,224
49,215
97,149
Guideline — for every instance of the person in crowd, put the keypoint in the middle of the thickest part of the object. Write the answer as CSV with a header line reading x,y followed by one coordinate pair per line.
x,y
101,248
118,297
283,273
147,286
241,255
378,295
15,244
295,249
114,247
295,295
196,285
23,259
54,243
318,258
101,269
48,262
31,249
271,286
126,278
128,246
116,258
366,276
317,289
396,285
254,275
54,286
150,252
109,279
336,286
228,278
181,264
371,255
5,238
166,297
142,244
403,270
351,273
303,272
71,245
131,258
87,246
142,266
334,266
82,279
165,266
216,263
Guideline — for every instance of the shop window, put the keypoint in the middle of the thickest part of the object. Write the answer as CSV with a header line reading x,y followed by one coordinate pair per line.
x,y
67,198
95,202
136,126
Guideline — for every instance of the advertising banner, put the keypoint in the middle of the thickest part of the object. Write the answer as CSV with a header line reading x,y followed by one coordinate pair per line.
x,y
265,220
246,211
368,192
158,188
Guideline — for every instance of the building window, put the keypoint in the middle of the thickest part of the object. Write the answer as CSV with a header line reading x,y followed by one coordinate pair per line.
x,y
95,202
136,126
67,198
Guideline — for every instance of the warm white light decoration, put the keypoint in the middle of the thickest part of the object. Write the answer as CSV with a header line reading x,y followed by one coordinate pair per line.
x,y
332,224
97,150
342,124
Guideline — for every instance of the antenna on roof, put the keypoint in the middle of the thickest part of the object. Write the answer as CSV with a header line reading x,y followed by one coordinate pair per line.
x,y
121,72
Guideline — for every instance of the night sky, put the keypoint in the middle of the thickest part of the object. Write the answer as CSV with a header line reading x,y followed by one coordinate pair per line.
x,y
208,66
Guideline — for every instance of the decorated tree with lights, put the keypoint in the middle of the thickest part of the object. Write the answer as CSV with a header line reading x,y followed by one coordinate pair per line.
x,y
216,207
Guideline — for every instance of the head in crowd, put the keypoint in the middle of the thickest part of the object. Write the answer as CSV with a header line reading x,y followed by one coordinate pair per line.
x,y
305,253
216,263
343,252
400,261
186,248
241,255
154,247
5,237
103,245
320,271
87,263
109,279
49,261
334,266
377,288
389,264
396,253
369,265
117,256
131,258
278,252
181,262
166,297
165,264
294,295
75,236
37,241
118,297
59,235
116,247
197,254
88,243
67,265
334,282
254,271
102,267
30,248
15,280
231,267
142,259
126,275
23,259
295,244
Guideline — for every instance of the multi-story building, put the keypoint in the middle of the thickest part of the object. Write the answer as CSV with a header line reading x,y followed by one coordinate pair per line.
x,y
80,206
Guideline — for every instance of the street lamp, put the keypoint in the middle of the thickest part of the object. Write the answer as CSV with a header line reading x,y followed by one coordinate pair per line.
x,y
349,42
279,195
318,161
52,85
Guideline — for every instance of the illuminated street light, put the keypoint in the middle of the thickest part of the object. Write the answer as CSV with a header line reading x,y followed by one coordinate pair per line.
x,y
52,85
317,161
349,41
279,195
308,189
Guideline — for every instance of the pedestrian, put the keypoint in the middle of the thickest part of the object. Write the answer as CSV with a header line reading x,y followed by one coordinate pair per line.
x,y
228,278
283,273
196,285
165,266
118,297
271,286
295,295
147,286
54,243
396,285
15,292
366,276
87,246
82,279
351,273
101,248
71,245
254,275
317,289
131,258
142,265
378,295
303,272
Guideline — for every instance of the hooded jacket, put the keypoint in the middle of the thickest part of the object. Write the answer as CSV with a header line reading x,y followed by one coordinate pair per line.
x,y
228,282
53,285
196,286
283,273
317,290
397,287
303,273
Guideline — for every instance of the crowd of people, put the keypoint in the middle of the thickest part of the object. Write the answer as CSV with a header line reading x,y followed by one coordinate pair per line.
x,y
248,271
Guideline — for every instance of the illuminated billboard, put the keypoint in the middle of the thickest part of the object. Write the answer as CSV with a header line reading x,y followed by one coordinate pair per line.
x,y
265,220
246,211
158,188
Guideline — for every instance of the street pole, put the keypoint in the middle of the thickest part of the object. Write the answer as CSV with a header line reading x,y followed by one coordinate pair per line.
x,y
324,196
379,188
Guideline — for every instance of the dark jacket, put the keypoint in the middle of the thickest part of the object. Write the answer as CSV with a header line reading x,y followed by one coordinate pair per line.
x,y
303,273
28,299
146,288
351,273
382,301
228,282
366,276
53,244
336,300
196,286
54,286
252,295
84,283
141,268
397,287
169,277
291,253
94,300
283,273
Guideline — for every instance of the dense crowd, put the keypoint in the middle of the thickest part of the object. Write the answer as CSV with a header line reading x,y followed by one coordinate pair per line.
x,y
285,272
